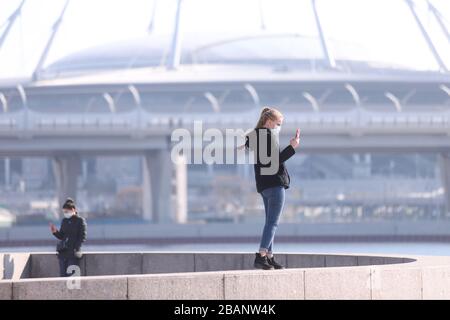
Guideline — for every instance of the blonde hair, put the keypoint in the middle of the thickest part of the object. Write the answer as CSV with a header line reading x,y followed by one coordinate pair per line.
x,y
268,113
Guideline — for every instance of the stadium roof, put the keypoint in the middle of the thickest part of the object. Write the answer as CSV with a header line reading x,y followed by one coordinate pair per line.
x,y
264,55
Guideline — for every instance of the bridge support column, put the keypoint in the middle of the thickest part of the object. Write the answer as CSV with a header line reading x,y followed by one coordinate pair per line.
x,y
164,188
7,172
147,198
361,165
84,171
66,169
444,166
180,188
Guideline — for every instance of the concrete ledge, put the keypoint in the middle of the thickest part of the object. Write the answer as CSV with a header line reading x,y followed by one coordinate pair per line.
x,y
45,265
113,264
367,261
305,261
168,262
218,261
216,275
340,261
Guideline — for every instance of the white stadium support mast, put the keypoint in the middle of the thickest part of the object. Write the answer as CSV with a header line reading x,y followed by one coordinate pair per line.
x,y
44,54
10,22
426,36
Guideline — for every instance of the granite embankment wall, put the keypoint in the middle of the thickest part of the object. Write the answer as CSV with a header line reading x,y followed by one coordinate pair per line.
x,y
215,275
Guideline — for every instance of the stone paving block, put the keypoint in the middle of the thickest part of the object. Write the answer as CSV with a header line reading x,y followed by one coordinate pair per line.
x,y
5,290
337,283
92,288
265,284
436,282
168,287
396,283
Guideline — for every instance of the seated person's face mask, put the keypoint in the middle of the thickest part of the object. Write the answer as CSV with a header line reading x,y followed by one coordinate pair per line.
x,y
67,214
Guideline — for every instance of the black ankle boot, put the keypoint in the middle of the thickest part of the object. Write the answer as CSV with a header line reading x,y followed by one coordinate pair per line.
x,y
261,262
275,264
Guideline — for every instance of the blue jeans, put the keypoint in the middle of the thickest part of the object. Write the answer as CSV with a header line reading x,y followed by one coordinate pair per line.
x,y
273,204
64,263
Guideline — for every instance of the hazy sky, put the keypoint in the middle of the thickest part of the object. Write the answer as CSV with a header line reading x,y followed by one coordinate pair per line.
x,y
379,30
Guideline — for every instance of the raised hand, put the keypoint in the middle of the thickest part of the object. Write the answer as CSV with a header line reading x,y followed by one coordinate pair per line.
x,y
295,141
53,228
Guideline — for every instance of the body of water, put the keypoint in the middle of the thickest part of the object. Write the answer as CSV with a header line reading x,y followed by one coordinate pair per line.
x,y
410,248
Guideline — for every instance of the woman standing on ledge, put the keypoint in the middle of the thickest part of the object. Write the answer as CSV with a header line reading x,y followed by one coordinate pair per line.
x,y
270,183
71,235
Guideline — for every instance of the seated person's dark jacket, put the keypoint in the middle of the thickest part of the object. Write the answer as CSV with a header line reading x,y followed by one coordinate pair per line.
x,y
73,232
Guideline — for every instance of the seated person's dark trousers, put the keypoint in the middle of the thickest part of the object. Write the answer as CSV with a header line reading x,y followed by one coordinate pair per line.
x,y
65,263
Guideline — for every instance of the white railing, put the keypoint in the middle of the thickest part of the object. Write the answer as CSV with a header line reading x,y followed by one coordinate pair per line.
x,y
139,120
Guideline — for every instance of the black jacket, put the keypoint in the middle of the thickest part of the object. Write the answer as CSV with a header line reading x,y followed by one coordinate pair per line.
x,y
281,177
73,231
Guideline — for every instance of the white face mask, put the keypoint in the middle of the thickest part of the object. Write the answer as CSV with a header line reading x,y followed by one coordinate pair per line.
x,y
67,215
276,133
276,130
